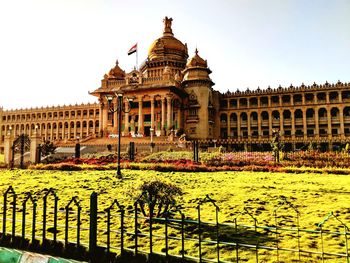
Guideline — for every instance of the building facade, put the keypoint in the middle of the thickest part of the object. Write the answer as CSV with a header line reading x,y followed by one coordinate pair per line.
x,y
172,93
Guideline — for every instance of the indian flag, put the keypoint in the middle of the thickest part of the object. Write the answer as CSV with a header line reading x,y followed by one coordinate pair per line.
x,y
133,49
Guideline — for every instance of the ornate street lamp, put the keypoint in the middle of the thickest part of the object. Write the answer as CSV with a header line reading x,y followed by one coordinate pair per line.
x,y
152,143
118,109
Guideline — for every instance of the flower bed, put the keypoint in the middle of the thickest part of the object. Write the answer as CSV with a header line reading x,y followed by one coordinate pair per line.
x,y
299,162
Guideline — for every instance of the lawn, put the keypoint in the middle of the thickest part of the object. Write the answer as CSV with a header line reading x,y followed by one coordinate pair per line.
x,y
313,195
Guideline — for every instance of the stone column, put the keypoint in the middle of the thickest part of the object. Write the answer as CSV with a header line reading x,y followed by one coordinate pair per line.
x,y
126,118
57,131
327,97
46,131
317,128
293,124
100,120
341,119
269,101
228,125
259,125
169,112
152,113
69,131
179,118
63,131
81,130
340,97
140,124
281,124
270,124
304,123
75,130
8,147
329,124
238,125
248,125
34,143
104,118
163,117
51,132
115,116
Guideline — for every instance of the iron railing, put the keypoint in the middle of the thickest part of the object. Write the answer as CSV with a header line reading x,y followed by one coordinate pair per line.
x,y
120,229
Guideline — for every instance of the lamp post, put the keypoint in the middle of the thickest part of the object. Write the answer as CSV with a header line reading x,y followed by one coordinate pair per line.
x,y
118,109
152,144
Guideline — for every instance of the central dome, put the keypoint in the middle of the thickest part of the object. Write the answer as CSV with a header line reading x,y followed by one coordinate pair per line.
x,y
167,46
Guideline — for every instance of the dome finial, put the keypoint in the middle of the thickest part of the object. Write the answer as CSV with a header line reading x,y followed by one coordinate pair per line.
x,y
196,51
167,26
117,62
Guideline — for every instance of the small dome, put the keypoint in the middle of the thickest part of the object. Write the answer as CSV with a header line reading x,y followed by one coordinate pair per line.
x,y
116,72
167,44
197,61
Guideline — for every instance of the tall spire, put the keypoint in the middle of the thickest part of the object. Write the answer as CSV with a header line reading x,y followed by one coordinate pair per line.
x,y
167,27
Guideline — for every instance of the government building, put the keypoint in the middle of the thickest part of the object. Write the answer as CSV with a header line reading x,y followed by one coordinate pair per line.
x,y
172,93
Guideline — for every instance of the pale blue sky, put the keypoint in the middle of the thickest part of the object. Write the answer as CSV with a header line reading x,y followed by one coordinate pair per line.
x,y
52,52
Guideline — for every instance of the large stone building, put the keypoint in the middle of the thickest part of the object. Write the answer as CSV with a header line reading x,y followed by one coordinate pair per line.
x,y
171,92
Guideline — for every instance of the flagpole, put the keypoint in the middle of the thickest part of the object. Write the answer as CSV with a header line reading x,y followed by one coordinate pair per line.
x,y
137,66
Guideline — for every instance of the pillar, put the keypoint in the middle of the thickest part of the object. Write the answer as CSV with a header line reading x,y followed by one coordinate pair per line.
x,y
270,124
169,112
281,124
259,125
248,125
152,113
163,117
293,124
8,147
115,115
51,132
329,124
179,118
317,128
104,118
81,129
228,125
238,125
140,124
75,130
100,120
341,119
34,144
304,123
126,118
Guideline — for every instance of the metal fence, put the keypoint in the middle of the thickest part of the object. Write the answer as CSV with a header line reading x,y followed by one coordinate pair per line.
x,y
82,231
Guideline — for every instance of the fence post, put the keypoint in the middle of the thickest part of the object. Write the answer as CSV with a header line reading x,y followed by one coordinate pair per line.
x,y
132,151
93,228
135,230
122,231
199,234
182,236
195,151
77,150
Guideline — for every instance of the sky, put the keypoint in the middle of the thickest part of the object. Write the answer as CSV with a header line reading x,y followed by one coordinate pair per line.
x,y
53,52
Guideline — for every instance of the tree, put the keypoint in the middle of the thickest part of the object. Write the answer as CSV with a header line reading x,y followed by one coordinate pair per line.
x,y
157,197
47,148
